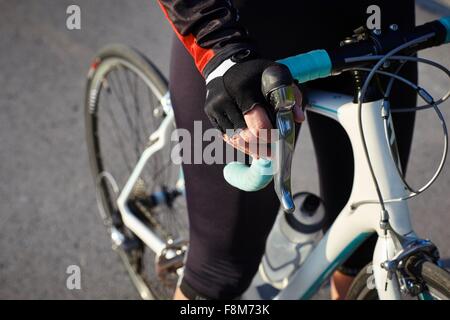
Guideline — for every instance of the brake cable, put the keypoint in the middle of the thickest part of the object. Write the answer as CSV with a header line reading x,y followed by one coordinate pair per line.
x,y
384,221
445,134
430,103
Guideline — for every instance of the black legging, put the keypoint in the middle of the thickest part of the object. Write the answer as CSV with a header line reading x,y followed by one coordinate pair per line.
x,y
229,227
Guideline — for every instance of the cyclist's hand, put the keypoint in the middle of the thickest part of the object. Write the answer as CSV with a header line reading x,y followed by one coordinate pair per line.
x,y
236,106
256,120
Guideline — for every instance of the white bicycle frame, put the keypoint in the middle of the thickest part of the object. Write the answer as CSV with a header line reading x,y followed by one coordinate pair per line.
x,y
352,226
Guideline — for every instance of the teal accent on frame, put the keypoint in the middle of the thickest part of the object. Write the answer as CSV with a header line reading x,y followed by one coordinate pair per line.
x,y
425,296
181,174
446,22
309,66
352,246
324,108
181,178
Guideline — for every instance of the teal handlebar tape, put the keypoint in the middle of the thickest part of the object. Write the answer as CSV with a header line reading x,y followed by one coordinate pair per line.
x,y
252,178
446,23
309,66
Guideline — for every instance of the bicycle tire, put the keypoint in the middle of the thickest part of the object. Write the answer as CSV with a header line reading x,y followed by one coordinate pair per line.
x,y
435,279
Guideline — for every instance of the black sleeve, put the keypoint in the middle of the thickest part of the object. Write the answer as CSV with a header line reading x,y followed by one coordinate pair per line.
x,y
209,29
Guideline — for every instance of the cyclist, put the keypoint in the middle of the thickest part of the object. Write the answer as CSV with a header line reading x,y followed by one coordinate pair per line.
x,y
218,56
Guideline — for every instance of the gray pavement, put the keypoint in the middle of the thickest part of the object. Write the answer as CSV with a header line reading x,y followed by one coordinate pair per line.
x,y
48,217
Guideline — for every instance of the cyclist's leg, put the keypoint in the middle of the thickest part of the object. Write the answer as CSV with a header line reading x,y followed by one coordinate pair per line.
x,y
273,50
228,227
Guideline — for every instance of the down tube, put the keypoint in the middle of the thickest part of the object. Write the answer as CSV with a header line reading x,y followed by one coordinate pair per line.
x,y
341,240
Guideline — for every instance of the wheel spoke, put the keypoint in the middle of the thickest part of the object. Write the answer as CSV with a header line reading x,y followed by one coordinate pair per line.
x,y
139,117
124,108
116,133
135,124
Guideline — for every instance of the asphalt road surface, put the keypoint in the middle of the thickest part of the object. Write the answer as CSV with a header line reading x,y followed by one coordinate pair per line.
x,y
48,218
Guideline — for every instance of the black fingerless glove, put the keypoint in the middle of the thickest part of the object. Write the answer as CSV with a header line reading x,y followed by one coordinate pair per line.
x,y
232,90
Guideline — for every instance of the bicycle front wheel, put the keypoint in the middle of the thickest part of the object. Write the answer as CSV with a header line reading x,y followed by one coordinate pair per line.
x,y
434,280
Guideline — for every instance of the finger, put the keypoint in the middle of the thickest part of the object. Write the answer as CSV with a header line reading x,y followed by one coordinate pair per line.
x,y
236,136
215,124
255,146
237,142
236,117
223,122
258,123
255,150
299,114
248,136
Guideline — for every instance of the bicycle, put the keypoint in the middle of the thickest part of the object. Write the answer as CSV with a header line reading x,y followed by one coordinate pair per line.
x,y
142,203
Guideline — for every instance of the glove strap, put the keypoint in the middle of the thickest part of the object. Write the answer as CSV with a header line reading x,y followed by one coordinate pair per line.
x,y
220,70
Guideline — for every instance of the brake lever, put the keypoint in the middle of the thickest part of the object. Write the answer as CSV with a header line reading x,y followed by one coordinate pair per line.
x,y
277,88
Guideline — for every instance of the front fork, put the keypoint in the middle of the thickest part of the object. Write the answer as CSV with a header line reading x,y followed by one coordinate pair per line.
x,y
386,283
392,256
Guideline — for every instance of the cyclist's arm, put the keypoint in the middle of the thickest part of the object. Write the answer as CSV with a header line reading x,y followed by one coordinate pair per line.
x,y
222,51
209,29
